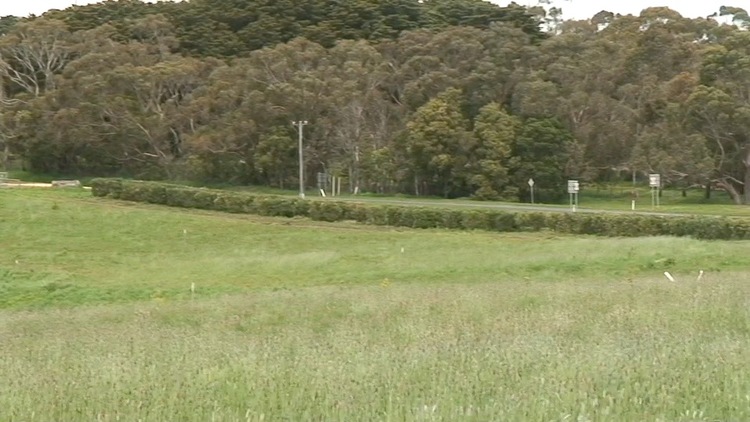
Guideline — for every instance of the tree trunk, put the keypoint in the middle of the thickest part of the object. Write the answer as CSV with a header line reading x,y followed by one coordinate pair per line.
x,y
732,191
746,187
708,190
357,173
6,157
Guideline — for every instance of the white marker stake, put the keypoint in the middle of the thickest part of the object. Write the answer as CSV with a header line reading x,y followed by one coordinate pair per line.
x,y
700,275
402,250
184,231
632,205
669,276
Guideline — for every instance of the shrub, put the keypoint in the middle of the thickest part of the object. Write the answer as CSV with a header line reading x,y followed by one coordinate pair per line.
x,y
110,188
427,218
625,225
377,215
273,206
502,221
355,212
531,221
476,220
327,211
235,203
452,219
180,197
205,199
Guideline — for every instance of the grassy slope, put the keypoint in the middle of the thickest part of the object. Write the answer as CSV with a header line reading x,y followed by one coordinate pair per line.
x,y
73,249
332,322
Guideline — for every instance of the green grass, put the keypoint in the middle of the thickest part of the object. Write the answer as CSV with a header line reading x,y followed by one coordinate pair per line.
x,y
298,320
65,248
611,197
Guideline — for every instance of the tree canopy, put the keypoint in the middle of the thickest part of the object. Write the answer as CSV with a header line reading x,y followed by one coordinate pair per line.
x,y
455,98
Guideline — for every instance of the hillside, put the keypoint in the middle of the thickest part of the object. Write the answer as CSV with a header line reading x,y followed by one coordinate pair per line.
x,y
457,99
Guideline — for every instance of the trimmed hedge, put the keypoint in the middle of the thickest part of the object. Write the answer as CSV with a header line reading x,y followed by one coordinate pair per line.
x,y
623,225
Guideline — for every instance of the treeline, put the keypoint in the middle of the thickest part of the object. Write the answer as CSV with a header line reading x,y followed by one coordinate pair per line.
x,y
452,98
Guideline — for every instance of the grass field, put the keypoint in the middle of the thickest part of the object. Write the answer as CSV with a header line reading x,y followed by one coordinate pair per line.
x,y
300,320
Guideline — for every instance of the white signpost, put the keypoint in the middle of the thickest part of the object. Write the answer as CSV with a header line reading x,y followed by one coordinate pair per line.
x,y
654,181
531,185
573,189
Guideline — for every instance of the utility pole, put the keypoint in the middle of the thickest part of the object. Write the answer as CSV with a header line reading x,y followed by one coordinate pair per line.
x,y
300,124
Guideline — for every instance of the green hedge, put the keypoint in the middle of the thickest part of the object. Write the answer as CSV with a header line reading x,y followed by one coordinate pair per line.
x,y
624,225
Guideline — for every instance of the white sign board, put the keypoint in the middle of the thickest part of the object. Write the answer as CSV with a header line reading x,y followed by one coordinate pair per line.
x,y
654,180
573,186
531,183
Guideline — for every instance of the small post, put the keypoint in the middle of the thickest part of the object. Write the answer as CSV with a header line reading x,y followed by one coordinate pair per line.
x,y
300,124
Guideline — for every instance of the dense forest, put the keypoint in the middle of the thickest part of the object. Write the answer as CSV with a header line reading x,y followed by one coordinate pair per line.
x,y
457,98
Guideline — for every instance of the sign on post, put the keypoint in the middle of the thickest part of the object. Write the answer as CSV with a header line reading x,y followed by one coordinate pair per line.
x,y
531,186
654,181
573,189
573,186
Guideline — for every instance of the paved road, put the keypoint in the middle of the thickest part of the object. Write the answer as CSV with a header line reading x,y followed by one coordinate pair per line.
x,y
493,205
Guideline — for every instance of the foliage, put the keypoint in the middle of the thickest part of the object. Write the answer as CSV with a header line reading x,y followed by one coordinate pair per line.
x,y
621,225
438,142
451,98
541,152
227,29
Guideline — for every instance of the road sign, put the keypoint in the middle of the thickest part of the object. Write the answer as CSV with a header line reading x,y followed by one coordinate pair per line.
x,y
531,185
654,180
573,186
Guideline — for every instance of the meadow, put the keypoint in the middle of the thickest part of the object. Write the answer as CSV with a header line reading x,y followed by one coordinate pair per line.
x,y
292,319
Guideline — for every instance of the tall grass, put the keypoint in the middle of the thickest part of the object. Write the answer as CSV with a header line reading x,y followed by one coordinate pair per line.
x,y
637,350
294,320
